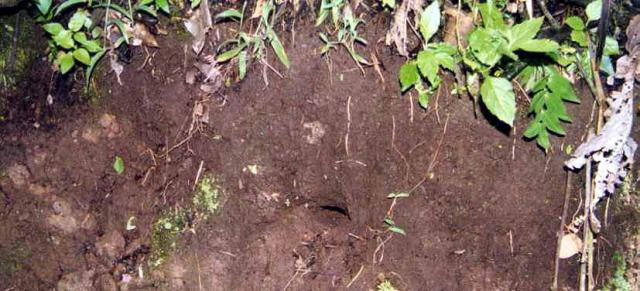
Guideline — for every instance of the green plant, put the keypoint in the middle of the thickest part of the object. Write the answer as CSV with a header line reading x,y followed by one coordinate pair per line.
x,y
206,199
429,62
247,46
618,282
386,286
118,165
346,24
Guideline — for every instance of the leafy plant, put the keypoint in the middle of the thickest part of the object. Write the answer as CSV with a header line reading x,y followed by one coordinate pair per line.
x,y
550,91
118,165
386,286
488,45
392,227
245,45
346,24
618,281
429,62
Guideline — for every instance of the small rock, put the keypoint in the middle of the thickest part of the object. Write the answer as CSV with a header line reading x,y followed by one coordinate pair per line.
x,y
317,131
76,281
62,218
105,282
18,174
110,125
91,135
110,245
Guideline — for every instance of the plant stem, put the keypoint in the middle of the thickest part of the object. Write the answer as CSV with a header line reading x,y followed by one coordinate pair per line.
x,y
548,15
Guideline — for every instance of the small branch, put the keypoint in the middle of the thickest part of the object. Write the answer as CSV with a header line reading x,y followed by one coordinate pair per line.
x,y
563,218
554,23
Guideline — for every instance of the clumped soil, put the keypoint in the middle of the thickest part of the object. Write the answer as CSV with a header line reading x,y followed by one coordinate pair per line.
x,y
328,147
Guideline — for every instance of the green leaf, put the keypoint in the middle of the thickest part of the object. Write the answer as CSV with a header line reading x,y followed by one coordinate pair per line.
x,y
92,66
533,129
611,47
96,32
279,49
122,28
117,8
93,46
148,10
230,13
195,3
575,22
66,4
423,99
428,66
408,76
487,45
53,28
43,6
230,54
76,22
543,140
497,95
491,15
396,229
65,61
523,32
553,123
594,10
163,5
64,39
118,165
242,64
430,21
539,46
562,87
82,55
580,37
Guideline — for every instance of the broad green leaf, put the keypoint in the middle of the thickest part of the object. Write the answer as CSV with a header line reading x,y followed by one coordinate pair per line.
x,y
556,107
92,46
408,76
539,46
77,20
523,32
66,4
594,10
423,99
553,123
491,15
580,37
64,39
229,13
118,165
230,54
279,49
53,28
96,32
65,61
575,22
543,140
487,45
611,47
43,6
396,229
497,95
428,66
242,64
430,21
82,55
195,3
92,66
163,5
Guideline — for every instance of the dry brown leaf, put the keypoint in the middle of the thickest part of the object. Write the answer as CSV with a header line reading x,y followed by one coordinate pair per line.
x,y
198,25
463,20
633,34
398,32
570,245
116,67
257,10
142,36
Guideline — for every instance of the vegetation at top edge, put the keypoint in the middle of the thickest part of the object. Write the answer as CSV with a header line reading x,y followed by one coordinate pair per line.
x,y
618,282
496,50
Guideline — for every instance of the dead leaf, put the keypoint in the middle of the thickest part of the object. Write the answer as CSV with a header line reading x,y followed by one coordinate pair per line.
x,y
257,10
198,25
570,244
633,34
398,31
141,36
464,22
116,67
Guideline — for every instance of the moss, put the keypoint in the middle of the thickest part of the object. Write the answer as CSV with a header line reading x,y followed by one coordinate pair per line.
x,y
168,228
618,281
12,259
165,234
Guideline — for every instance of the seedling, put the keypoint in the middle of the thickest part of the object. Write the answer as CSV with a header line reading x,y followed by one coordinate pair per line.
x,y
346,24
118,165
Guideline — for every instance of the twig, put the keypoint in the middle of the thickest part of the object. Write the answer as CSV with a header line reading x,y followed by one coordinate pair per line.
x,y
434,157
199,272
563,218
548,15
436,109
511,242
356,276
410,107
393,145
195,183
380,248
513,146
346,135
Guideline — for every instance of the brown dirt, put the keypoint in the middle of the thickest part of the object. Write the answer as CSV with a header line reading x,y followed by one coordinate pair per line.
x,y
484,219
